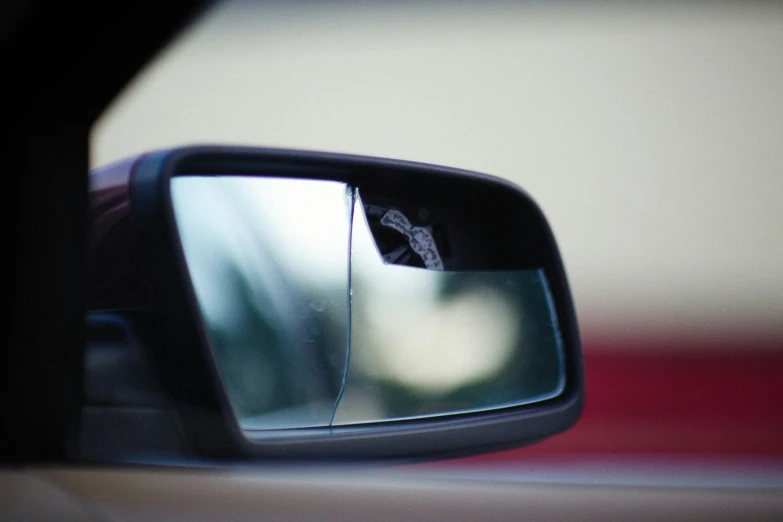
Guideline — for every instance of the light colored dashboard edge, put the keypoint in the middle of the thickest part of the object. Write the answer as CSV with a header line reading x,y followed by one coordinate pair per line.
x,y
140,494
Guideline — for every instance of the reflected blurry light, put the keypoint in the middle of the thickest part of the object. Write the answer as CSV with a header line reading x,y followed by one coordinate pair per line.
x,y
438,347
409,334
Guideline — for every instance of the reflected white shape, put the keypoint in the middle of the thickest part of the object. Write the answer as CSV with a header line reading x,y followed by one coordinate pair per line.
x,y
419,238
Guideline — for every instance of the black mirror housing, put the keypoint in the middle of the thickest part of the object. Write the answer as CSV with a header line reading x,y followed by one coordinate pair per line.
x,y
514,235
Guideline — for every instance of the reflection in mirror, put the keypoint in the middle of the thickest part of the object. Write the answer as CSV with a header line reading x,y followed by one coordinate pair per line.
x,y
268,261
429,341
402,241
331,305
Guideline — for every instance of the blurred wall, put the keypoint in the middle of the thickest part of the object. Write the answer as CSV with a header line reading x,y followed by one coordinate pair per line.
x,y
650,133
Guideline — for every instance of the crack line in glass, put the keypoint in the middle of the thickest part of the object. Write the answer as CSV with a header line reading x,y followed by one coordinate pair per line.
x,y
351,193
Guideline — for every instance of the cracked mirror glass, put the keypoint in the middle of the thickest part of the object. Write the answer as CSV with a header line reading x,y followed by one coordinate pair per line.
x,y
325,304
268,260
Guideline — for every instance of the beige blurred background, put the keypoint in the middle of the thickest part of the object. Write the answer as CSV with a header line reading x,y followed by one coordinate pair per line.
x,y
651,134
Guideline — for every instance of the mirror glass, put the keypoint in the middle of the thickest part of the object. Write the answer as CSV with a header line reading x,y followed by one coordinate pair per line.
x,y
328,304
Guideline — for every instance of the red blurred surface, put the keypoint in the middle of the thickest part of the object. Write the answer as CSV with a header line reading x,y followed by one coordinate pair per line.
x,y
721,397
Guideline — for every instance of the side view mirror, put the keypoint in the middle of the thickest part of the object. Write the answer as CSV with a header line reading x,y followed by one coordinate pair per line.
x,y
287,304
